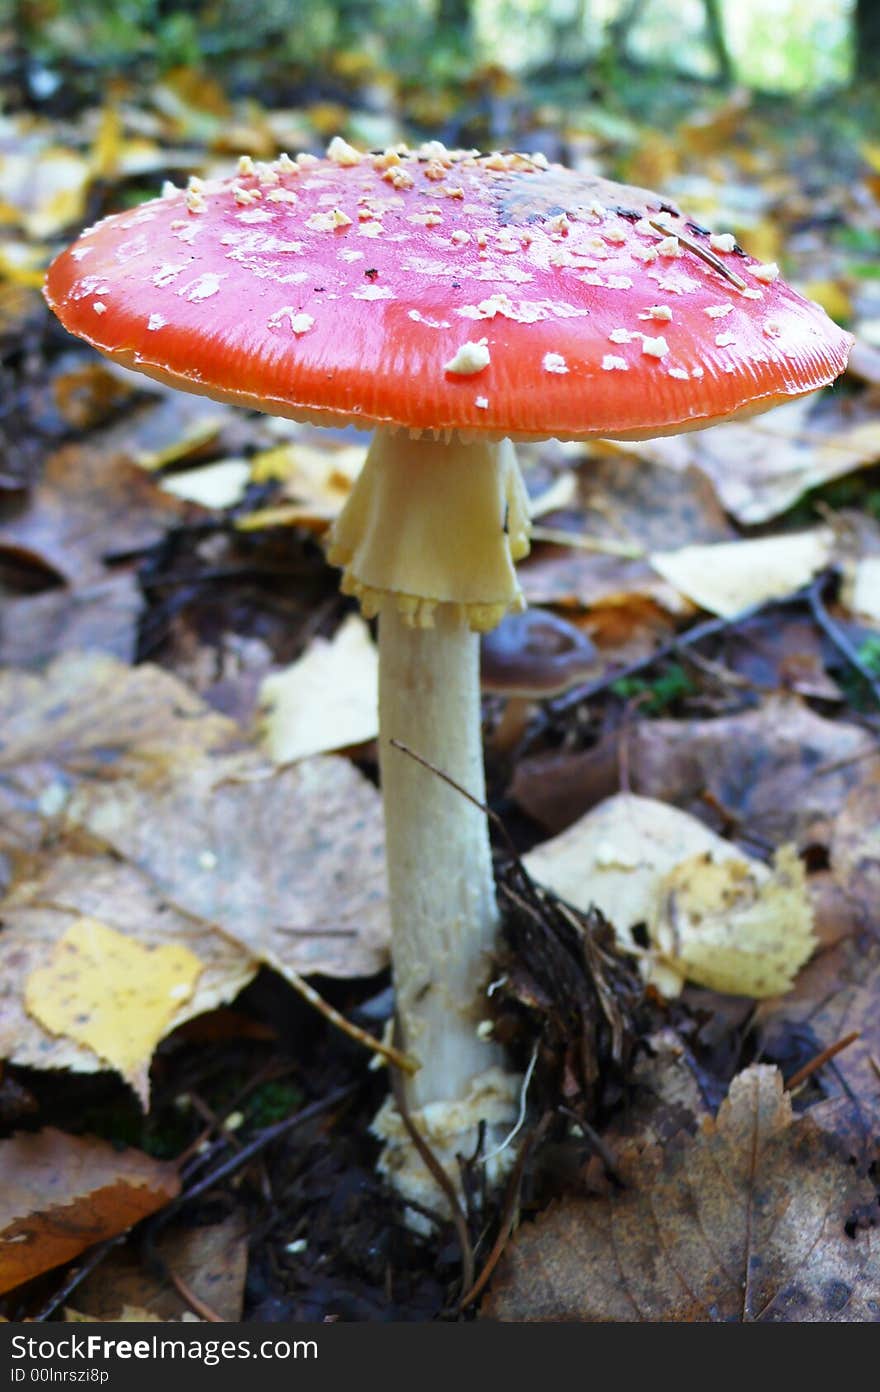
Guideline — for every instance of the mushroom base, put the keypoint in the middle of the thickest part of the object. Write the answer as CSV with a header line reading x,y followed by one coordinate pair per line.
x,y
450,1129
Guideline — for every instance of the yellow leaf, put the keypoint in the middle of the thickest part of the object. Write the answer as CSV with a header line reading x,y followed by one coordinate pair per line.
x,y
734,927
831,295
714,916
731,576
327,699
103,989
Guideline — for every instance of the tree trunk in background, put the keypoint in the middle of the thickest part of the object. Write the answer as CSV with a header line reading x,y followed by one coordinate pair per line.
x,y
455,15
867,40
717,41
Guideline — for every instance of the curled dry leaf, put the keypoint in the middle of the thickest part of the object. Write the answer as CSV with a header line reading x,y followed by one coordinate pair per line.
x,y
60,1194
104,989
734,926
745,1222
40,909
713,916
327,699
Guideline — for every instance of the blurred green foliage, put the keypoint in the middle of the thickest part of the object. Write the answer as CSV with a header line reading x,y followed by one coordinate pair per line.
x,y
782,45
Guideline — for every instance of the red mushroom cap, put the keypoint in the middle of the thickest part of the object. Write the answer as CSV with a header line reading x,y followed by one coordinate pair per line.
x,y
442,291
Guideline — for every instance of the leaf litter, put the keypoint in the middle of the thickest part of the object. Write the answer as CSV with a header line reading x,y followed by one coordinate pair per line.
x,y
122,788
744,1222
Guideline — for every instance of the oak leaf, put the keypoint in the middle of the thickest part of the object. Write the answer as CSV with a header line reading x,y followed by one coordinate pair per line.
x,y
744,1222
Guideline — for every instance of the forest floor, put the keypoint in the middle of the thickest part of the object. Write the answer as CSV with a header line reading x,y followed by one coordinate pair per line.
x,y
720,694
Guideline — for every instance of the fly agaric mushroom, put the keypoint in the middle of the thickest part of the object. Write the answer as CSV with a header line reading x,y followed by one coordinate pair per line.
x,y
453,303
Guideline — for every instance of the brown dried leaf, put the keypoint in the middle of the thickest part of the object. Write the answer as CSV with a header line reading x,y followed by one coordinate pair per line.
x,y
92,717
743,1223
60,1194
101,617
637,505
290,864
212,1261
760,467
89,503
835,1004
855,853
779,773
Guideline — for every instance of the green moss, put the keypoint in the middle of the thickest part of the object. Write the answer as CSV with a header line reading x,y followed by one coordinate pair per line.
x,y
672,685
273,1102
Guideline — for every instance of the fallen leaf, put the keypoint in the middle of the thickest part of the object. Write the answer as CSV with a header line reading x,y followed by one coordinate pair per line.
x,y
289,864
862,593
100,616
315,483
743,1223
855,853
327,699
712,916
88,504
220,485
733,926
778,773
39,910
211,1260
91,716
842,1002
60,1194
617,856
622,500
105,990
761,467
730,577
44,188
129,1314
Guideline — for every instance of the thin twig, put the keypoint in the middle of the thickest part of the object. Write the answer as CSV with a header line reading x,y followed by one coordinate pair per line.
x,y
78,1274
475,802
195,1304
820,1060
703,252
824,621
511,1204
259,1142
430,1160
810,595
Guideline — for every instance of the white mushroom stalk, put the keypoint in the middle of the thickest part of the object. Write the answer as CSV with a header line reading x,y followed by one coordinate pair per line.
x,y
428,540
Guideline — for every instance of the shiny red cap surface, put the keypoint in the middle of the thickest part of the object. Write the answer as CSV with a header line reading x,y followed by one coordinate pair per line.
x,y
441,290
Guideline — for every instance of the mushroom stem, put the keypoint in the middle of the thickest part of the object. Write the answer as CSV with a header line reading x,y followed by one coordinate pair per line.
x,y
442,891
428,540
